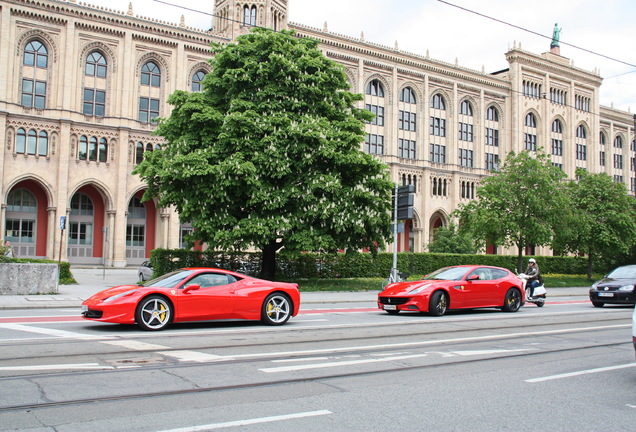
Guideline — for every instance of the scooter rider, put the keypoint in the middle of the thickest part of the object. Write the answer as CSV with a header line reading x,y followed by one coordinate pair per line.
x,y
533,275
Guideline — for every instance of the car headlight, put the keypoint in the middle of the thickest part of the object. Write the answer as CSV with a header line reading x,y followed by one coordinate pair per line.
x,y
115,297
420,289
626,288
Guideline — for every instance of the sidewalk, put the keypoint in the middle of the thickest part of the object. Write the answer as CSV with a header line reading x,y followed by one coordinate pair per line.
x,y
92,280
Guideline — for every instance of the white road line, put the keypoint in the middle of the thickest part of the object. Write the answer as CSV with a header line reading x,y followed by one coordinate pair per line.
x,y
579,373
56,367
250,421
136,345
49,332
420,343
190,356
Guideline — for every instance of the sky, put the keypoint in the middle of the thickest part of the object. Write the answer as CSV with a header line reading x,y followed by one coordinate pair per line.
x,y
596,34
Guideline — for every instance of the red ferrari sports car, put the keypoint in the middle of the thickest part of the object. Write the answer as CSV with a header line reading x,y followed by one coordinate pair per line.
x,y
459,287
195,294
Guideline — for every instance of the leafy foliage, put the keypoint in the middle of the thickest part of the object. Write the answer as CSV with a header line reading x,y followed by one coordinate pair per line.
x,y
518,206
268,155
449,240
602,219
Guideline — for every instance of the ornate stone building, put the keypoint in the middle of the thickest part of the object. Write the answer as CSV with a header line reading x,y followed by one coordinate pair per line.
x,y
80,86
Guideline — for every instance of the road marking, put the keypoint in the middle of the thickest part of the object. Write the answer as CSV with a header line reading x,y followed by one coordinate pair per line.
x,y
379,360
136,345
56,367
50,332
579,373
190,356
250,421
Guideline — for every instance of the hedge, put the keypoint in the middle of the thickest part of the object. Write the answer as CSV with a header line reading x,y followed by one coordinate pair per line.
x,y
349,265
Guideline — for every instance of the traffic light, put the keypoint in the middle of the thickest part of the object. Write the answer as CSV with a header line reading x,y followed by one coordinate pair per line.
x,y
405,200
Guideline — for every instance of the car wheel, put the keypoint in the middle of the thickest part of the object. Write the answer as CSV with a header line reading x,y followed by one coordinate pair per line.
x,y
277,309
141,277
512,301
153,313
598,304
438,304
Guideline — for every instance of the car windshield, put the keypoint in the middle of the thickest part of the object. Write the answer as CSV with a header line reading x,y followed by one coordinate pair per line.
x,y
448,273
169,280
623,273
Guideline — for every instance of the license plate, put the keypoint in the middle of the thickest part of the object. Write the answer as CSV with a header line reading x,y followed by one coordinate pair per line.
x,y
390,307
606,294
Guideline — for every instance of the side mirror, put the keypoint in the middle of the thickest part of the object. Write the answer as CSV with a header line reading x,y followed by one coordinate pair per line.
x,y
473,277
192,287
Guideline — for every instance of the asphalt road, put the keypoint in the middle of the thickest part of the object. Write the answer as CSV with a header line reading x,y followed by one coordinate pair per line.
x,y
339,367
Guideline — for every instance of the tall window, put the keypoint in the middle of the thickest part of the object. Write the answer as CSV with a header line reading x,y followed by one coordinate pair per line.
x,y
34,75
437,129
530,132
492,127
92,149
466,121
492,162
197,81
407,118
557,138
374,102
581,143
406,148
20,223
135,229
81,226
466,158
249,15
95,65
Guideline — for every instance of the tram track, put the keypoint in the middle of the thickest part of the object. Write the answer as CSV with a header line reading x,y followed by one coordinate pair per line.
x,y
288,381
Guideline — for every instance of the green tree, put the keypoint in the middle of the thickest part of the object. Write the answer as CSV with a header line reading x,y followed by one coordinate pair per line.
x,y
519,205
450,240
268,155
603,221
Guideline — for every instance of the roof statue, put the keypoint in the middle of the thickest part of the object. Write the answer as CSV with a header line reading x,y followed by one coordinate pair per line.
x,y
556,35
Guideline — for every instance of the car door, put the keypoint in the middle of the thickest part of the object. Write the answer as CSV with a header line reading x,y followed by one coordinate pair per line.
x,y
215,297
480,291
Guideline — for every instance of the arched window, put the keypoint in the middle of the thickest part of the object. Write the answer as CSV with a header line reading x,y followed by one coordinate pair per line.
x,y
492,114
618,142
530,134
581,132
95,65
32,142
437,102
21,221
466,122
20,141
375,88
82,150
602,138
139,152
43,143
249,15
407,95
197,81
36,54
557,138
103,150
581,144
151,74
466,108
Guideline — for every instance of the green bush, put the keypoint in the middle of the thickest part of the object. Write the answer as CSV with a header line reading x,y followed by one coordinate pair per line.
x,y
349,265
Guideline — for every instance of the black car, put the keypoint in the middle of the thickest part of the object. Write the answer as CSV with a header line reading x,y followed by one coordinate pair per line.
x,y
615,288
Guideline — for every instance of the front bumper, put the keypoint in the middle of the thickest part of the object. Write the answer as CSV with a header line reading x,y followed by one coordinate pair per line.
x,y
615,297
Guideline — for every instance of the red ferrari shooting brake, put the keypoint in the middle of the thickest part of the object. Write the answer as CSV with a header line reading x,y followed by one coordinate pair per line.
x,y
460,287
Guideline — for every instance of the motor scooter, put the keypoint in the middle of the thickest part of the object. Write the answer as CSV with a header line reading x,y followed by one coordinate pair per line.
x,y
539,293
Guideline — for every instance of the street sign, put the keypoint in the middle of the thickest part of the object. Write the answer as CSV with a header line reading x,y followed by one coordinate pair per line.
x,y
62,223
405,201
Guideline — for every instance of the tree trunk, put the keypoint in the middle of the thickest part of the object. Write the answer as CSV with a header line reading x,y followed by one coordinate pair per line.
x,y
268,263
590,265
520,256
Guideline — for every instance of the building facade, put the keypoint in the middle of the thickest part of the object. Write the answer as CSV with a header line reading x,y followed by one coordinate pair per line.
x,y
81,85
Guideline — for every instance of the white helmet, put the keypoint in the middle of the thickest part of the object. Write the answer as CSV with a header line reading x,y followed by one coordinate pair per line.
x,y
532,260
